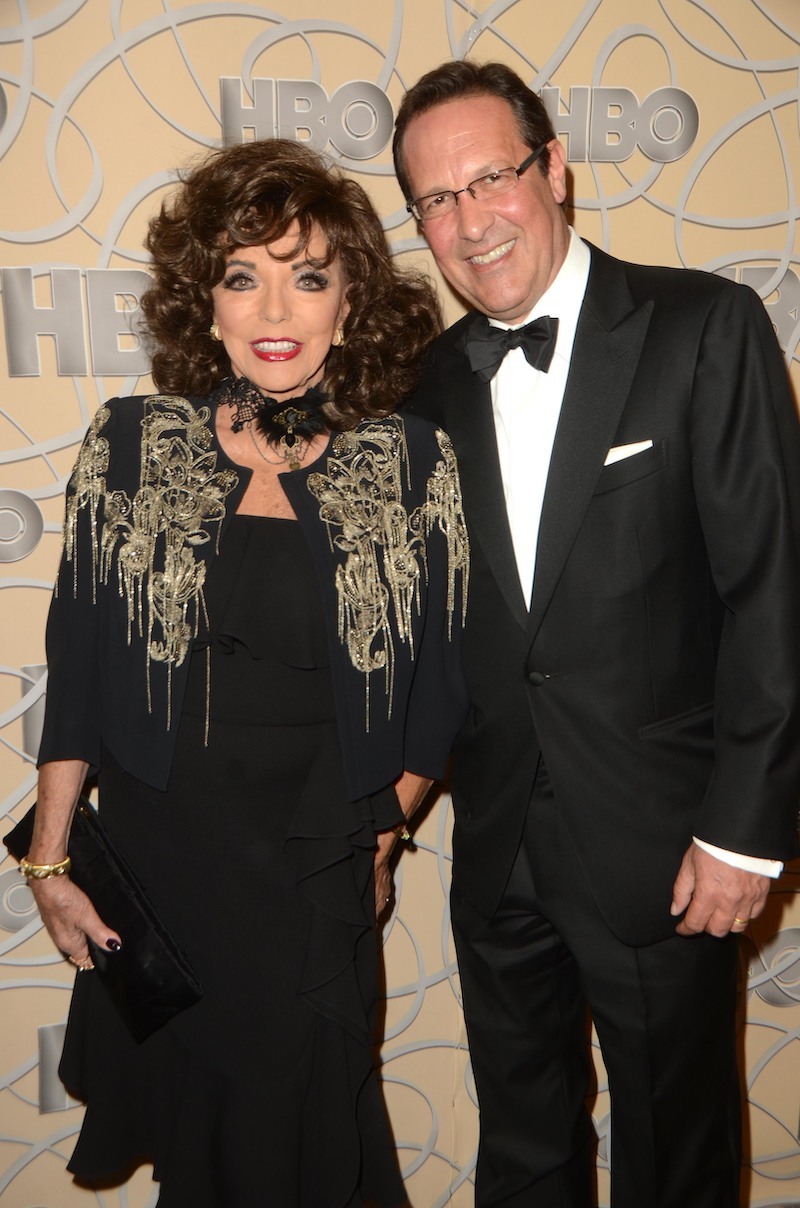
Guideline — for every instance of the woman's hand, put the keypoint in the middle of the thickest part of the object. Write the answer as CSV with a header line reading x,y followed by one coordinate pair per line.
x,y
70,917
411,790
384,882
65,910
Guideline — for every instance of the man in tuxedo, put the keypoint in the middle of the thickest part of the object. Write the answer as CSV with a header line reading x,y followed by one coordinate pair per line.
x,y
626,782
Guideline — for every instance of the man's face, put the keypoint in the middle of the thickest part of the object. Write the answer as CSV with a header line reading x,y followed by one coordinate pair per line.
x,y
500,253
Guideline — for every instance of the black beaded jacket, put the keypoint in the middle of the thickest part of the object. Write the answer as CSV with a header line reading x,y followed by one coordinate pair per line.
x,y
147,506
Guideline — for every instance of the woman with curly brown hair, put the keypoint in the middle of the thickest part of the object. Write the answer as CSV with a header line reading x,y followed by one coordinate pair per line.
x,y
254,643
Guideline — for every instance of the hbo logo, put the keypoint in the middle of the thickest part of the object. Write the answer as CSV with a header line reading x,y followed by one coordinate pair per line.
x,y
357,119
606,125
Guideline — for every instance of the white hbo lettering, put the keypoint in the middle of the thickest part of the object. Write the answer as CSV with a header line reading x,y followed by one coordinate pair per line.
x,y
606,125
357,120
112,311
601,124
96,310
21,525
112,303
17,907
781,298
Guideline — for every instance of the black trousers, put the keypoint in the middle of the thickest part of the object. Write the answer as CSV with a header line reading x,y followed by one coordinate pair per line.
x,y
665,1018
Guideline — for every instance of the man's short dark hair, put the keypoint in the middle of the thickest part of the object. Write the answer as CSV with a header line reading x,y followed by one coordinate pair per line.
x,y
461,78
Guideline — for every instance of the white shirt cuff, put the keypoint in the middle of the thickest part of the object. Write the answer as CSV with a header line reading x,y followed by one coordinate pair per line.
x,y
764,868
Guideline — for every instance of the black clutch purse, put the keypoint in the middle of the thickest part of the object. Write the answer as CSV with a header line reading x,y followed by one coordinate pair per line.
x,y
149,979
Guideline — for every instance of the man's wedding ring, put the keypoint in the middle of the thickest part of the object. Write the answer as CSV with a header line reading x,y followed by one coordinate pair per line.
x,y
741,922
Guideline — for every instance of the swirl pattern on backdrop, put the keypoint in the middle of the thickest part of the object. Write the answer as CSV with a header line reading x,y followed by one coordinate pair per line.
x,y
100,104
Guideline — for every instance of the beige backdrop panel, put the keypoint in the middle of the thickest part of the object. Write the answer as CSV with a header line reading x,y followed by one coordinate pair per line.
x,y
691,159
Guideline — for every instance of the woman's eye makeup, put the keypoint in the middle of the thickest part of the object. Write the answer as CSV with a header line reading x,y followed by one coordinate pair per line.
x,y
237,279
307,278
312,278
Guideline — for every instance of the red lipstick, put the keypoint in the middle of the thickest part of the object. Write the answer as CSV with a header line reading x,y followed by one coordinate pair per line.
x,y
276,350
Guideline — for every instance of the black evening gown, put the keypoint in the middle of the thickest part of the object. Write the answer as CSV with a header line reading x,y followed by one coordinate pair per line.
x,y
263,1093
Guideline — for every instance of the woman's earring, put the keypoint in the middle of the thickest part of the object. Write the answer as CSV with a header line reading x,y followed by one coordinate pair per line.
x,y
213,331
338,339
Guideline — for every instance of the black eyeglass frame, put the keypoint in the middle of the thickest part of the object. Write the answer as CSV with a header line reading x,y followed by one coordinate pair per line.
x,y
413,206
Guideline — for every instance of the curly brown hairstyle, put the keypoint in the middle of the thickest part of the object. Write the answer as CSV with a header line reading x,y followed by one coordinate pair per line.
x,y
250,195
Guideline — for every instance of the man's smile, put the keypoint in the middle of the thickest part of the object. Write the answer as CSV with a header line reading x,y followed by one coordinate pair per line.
x,y
494,254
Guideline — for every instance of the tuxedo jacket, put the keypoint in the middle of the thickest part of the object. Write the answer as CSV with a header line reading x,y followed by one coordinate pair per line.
x,y
658,667
148,503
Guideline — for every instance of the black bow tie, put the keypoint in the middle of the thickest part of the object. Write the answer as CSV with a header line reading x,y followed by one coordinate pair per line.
x,y
486,346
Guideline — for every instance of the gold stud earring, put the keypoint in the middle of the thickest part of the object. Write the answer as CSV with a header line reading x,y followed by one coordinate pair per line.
x,y
213,331
338,339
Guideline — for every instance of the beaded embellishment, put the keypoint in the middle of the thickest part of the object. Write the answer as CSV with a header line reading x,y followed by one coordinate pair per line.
x,y
377,583
179,506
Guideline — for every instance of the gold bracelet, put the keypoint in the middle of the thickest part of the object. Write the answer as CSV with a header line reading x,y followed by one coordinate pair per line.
x,y
40,872
402,832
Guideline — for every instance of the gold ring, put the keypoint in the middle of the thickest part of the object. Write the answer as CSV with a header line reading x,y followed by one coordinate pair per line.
x,y
84,966
742,922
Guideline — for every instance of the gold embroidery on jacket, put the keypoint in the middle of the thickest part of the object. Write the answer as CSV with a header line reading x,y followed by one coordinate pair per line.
x,y
181,497
444,508
361,504
87,486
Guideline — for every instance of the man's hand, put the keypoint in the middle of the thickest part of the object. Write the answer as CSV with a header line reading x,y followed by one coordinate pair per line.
x,y
717,897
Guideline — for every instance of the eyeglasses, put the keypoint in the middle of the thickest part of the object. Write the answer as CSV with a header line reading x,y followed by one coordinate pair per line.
x,y
437,205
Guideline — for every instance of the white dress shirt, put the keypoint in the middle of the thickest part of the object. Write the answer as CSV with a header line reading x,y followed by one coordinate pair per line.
x,y
526,406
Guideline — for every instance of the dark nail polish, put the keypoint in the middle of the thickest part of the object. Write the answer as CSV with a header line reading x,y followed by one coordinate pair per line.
x,y
114,945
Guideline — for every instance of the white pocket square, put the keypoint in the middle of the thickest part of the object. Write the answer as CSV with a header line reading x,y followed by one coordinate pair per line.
x,y
619,452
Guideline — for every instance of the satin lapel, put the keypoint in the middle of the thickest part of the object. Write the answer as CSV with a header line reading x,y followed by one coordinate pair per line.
x,y
608,344
470,425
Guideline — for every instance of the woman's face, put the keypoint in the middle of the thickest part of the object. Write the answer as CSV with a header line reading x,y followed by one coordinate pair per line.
x,y
278,318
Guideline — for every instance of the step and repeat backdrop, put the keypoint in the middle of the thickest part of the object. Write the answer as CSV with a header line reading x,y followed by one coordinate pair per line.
x,y
682,125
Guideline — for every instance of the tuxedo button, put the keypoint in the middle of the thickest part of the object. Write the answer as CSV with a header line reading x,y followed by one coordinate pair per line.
x,y
536,678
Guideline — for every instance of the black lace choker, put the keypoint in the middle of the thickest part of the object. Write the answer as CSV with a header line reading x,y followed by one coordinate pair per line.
x,y
289,425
